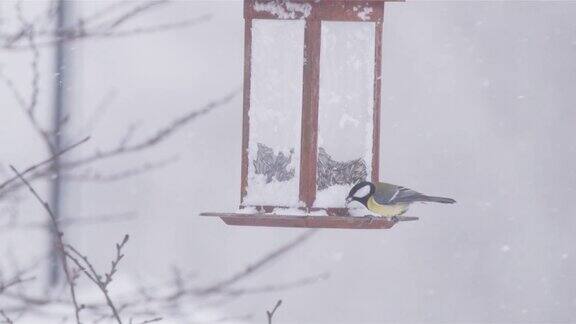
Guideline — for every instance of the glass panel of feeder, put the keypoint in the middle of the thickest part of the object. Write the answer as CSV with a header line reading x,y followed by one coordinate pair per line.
x,y
345,109
275,113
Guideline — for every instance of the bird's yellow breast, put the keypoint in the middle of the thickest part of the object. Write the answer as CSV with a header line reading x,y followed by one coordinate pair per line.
x,y
386,210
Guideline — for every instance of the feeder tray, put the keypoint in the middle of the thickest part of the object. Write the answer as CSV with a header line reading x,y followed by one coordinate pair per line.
x,y
342,222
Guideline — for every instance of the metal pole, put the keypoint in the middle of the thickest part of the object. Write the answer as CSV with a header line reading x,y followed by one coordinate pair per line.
x,y
60,83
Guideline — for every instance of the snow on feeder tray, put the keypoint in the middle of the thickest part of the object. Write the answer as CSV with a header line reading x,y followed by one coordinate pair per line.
x,y
311,122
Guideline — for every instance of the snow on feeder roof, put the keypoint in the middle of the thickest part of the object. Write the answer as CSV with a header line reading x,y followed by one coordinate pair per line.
x,y
311,122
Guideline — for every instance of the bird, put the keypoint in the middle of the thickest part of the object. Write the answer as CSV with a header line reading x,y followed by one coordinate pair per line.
x,y
388,200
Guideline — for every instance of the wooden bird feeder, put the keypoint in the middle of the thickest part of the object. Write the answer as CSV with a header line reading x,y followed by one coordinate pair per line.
x,y
311,123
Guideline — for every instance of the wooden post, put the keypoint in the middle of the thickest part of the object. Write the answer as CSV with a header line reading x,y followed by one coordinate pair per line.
x,y
377,93
310,89
246,103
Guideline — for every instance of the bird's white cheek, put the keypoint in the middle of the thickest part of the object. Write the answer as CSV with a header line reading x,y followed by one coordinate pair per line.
x,y
355,205
362,192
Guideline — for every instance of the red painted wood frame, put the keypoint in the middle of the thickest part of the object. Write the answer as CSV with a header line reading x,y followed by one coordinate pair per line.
x,y
328,10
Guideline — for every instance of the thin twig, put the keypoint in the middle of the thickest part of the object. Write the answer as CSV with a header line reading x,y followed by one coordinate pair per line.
x,y
17,280
120,175
161,135
59,241
12,87
157,319
5,318
100,110
104,12
268,258
81,32
275,287
30,108
102,282
270,314
79,221
44,162
133,12
152,29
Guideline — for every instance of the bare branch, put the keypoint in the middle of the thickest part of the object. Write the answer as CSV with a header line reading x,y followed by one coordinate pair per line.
x,y
102,24
114,266
104,12
120,175
276,287
133,12
99,219
60,242
154,320
43,163
29,28
270,314
147,301
161,135
223,287
252,268
17,280
80,221
82,34
100,281
15,92
100,109
153,29
30,108
5,318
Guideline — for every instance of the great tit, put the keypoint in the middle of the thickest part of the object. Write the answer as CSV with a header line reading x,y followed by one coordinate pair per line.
x,y
389,200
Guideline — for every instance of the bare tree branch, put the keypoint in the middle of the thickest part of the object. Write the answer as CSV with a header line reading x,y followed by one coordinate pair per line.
x,y
43,163
133,12
80,221
146,302
106,11
100,110
102,24
5,318
102,282
30,108
120,175
153,29
12,87
154,320
17,280
252,268
270,314
276,287
60,242
160,136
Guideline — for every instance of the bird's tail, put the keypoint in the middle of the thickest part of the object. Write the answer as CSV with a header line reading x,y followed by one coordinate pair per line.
x,y
441,200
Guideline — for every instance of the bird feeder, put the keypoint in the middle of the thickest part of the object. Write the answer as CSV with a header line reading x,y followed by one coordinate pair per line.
x,y
311,121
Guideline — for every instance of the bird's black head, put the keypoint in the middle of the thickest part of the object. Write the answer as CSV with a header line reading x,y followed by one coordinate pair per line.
x,y
361,192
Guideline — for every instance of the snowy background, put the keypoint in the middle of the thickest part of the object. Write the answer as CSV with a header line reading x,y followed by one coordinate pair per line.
x,y
478,103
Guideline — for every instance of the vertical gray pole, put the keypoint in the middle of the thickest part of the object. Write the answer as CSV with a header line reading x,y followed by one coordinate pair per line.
x,y
59,111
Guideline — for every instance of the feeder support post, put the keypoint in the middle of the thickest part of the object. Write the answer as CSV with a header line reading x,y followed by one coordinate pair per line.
x,y
309,128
